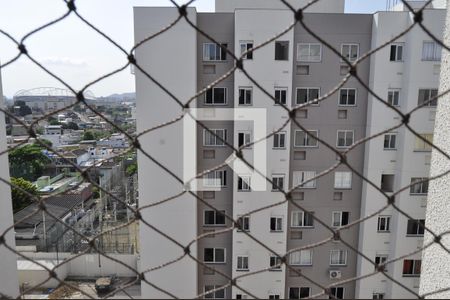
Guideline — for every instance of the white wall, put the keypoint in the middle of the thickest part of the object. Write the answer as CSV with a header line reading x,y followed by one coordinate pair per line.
x,y
8,269
253,25
168,57
327,6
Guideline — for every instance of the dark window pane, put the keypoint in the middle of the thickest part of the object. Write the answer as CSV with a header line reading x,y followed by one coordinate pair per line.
x,y
209,217
220,218
209,254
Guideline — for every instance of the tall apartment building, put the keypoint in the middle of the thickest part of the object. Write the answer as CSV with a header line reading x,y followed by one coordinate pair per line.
x,y
295,68
9,283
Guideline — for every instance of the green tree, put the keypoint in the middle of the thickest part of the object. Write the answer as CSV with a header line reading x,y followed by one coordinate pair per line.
x,y
54,122
88,135
20,199
23,108
27,162
131,169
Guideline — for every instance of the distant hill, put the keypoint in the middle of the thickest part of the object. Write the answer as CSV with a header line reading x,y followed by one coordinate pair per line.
x,y
122,97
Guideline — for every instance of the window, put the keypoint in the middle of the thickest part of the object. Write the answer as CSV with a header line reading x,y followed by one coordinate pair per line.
x,y
337,292
244,138
347,97
420,186
282,50
338,257
309,52
425,96
274,296
214,137
214,52
217,95
275,262
306,138
276,224
380,259
387,183
302,219
307,95
215,179
389,141
431,51
212,217
340,218
420,145
246,46
244,223
277,183
411,267
301,258
343,180
242,263
214,255
279,140
345,138
394,97
219,294
245,95
415,227
299,293
350,51
384,223
378,296
304,179
396,52
244,183
280,95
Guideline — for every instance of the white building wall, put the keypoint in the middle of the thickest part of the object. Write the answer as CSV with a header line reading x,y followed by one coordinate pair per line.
x,y
252,25
409,76
8,279
162,58
323,6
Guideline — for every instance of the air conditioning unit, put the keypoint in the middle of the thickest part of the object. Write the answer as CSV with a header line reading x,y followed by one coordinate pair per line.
x,y
335,274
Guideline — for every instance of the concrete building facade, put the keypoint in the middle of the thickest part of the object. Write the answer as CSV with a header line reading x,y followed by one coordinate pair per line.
x,y
295,68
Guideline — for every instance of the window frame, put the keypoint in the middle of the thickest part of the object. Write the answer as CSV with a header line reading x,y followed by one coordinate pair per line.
x,y
341,214
437,51
350,51
217,46
309,52
430,104
243,223
422,185
278,225
275,50
311,184
387,223
241,269
397,47
245,89
247,135
340,251
424,146
413,268
217,141
336,289
347,105
390,135
278,187
310,256
307,138
215,218
308,89
281,90
343,187
213,294
223,181
299,292
213,103
382,259
246,44
303,219
278,134
346,132
214,255
277,261
245,179
394,91
420,230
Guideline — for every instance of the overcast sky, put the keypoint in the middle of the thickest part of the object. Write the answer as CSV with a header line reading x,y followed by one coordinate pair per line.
x,y
77,53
